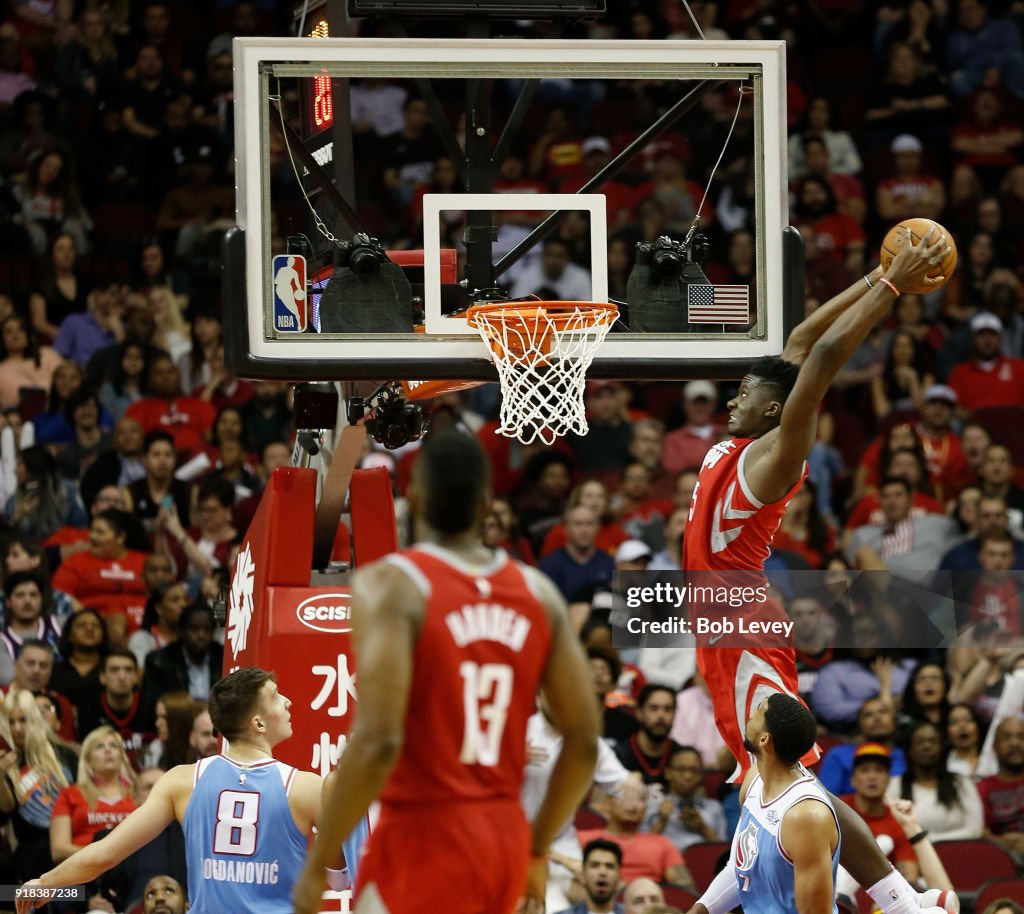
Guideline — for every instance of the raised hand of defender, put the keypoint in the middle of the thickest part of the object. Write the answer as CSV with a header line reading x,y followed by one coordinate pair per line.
x,y
910,266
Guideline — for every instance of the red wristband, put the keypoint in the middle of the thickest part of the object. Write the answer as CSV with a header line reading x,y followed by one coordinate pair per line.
x,y
886,282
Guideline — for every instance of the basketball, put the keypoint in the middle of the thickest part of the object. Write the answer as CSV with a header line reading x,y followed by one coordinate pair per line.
x,y
918,227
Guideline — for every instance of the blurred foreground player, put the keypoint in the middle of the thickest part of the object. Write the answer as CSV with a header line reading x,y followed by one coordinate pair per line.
x,y
246,817
741,494
452,642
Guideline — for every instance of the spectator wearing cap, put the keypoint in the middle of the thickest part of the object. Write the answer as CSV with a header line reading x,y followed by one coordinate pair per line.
x,y
992,516
909,192
597,153
876,723
947,465
555,273
872,763
686,446
989,378
605,447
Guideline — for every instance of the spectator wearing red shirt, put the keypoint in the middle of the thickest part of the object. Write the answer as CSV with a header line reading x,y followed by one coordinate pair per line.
x,y
989,378
108,576
947,465
847,188
186,418
643,855
685,447
870,778
1002,794
908,464
988,141
838,235
100,799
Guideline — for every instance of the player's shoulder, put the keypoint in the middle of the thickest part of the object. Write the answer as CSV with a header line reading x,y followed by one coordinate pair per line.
x,y
812,811
394,574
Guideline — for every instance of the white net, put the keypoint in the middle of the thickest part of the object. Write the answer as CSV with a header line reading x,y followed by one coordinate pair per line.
x,y
542,351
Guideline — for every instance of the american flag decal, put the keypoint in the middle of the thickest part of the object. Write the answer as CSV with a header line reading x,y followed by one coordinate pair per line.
x,y
708,304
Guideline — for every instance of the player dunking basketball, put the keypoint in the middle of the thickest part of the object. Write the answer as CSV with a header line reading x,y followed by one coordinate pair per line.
x,y
741,494
452,641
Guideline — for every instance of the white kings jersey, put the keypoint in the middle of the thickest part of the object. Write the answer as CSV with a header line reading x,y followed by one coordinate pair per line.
x,y
764,872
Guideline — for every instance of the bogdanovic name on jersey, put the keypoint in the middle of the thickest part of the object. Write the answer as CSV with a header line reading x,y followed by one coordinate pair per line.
x,y
488,622
240,871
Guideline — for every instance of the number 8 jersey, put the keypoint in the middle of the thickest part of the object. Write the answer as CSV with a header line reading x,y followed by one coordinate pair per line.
x,y
477,663
244,851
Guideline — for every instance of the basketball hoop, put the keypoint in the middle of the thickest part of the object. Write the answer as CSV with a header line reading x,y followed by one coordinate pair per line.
x,y
542,350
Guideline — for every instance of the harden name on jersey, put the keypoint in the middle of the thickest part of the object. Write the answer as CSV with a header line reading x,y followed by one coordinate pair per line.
x,y
488,622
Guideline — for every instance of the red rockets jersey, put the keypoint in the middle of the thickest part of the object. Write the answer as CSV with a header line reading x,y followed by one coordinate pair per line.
x,y
477,664
728,528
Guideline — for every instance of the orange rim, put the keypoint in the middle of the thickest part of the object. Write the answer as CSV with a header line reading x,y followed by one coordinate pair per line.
x,y
557,311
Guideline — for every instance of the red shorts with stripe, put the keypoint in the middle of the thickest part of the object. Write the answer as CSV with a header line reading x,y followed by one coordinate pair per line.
x,y
742,674
460,858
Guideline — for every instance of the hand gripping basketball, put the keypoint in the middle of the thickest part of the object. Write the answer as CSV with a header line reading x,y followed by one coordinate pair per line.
x,y
912,269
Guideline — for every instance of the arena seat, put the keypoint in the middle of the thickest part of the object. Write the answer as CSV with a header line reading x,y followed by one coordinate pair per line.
x,y
681,898
713,781
999,888
702,861
972,863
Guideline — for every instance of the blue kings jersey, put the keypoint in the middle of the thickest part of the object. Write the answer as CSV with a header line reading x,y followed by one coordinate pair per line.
x,y
243,849
763,870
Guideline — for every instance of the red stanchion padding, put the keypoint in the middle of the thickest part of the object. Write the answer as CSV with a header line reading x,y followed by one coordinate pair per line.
x,y
341,551
373,515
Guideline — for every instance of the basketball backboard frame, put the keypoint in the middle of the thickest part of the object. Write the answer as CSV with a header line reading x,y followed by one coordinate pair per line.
x,y
254,352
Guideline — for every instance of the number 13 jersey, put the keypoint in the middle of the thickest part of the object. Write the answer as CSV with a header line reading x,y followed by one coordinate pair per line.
x,y
477,663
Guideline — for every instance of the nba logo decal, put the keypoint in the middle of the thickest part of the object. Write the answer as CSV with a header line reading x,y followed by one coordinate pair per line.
x,y
289,293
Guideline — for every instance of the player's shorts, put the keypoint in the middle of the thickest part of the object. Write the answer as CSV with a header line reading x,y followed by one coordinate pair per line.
x,y
460,858
739,678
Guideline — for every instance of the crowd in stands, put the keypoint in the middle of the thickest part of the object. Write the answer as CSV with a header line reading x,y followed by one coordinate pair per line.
x,y
131,460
